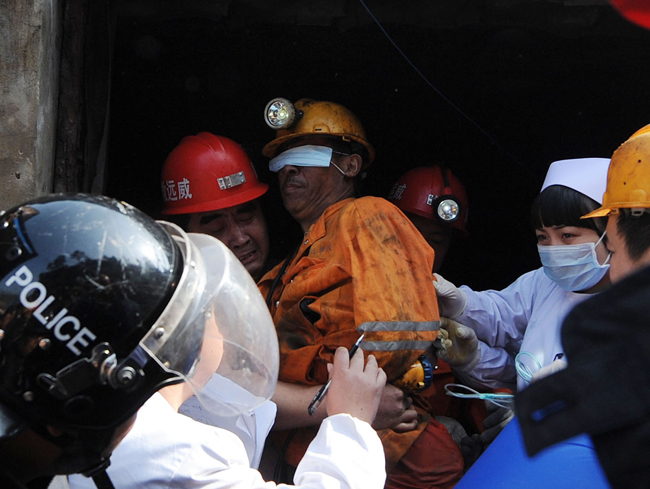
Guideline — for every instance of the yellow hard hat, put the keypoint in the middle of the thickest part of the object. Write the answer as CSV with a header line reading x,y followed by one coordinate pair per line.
x,y
321,118
643,130
628,179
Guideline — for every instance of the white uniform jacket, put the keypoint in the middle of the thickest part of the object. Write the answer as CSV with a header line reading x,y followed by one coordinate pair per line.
x,y
251,428
526,316
166,449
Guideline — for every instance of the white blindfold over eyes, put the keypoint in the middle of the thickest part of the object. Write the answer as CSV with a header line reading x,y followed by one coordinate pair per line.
x,y
308,155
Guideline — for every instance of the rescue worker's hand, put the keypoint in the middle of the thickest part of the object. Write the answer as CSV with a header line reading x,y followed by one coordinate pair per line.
x,y
497,419
356,389
457,345
473,446
451,300
556,366
395,411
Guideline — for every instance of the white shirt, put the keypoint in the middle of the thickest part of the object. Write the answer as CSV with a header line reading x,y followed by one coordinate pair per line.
x,y
166,449
251,428
526,316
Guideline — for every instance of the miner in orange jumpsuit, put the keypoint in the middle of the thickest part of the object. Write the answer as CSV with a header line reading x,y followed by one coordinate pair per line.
x,y
362,267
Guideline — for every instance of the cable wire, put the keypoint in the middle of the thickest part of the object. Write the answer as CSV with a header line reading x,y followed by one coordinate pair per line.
x,y
499,399
442,95
524,370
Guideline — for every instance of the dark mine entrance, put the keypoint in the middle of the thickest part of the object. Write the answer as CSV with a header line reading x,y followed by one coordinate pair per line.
x,y
524,85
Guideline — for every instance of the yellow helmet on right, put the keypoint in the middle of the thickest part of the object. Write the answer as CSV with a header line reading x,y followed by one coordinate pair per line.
x,y
628,179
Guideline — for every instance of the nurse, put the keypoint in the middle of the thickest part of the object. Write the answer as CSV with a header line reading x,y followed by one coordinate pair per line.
x,y
525,317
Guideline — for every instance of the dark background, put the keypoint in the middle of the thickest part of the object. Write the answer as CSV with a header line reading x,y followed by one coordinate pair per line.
x,y
524,83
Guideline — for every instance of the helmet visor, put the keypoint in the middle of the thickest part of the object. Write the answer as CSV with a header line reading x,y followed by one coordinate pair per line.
x,y
223,327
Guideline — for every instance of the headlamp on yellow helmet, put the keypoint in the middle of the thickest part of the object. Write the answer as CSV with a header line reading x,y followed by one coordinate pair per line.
x,y
308,118
280,113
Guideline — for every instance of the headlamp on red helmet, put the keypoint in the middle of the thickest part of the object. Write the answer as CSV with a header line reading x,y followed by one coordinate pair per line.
x,y
448,209
434,193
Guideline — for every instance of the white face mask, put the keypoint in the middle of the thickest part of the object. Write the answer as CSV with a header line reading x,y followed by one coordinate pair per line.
x,y
308,155
573,267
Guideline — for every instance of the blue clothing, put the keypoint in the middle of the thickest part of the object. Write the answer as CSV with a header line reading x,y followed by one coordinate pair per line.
x,y
572,464
525,316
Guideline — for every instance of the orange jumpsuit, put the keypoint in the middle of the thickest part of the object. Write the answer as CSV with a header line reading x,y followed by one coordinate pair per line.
x,y
362,267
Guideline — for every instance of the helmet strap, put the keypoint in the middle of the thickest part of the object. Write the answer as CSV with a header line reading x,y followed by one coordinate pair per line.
x,y
102,480
81,452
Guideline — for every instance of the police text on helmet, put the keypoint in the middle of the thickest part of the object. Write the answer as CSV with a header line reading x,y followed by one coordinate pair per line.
x,y
64,325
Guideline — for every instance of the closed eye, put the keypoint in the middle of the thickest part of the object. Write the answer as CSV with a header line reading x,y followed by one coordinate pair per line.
x,y
207,219
245,217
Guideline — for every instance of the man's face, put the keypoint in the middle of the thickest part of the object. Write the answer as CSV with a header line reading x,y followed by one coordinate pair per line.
x,y
437,235
308,191
621,264
242,228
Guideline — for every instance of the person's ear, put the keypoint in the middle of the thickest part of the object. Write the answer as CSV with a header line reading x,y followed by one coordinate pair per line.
x,y
353,165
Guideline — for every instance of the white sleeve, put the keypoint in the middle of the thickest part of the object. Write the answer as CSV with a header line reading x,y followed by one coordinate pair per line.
x,y
59,482
500,317
346,454
171,451
495,370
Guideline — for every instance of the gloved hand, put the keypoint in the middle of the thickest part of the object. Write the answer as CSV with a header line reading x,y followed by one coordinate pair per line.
x,y
455,429
457,345
451,300
556,366
473,446
494,422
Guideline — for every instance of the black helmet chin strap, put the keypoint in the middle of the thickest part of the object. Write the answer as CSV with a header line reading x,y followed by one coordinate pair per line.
x,y
82,453
102,480
94,445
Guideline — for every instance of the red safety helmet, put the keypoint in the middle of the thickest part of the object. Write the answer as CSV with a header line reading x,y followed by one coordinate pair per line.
x,y
206,173
636,11
434,193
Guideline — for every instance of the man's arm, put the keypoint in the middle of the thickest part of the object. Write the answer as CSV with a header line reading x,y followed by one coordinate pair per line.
x,y
394,298
370,273
395,408
292,401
